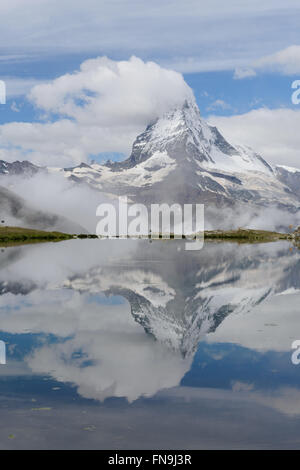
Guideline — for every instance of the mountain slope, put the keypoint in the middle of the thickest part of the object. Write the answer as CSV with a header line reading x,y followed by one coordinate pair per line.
x,y
186,137
15,211
180,158
24,168
290,177
178,301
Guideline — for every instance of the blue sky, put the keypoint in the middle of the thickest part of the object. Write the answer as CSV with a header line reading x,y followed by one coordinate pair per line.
x,y
239,96
239,59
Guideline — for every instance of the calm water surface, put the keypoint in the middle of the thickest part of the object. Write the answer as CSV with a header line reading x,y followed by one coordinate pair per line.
x,y
120,344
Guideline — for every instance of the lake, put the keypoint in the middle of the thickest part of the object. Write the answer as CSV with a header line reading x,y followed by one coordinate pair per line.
x,y
138,344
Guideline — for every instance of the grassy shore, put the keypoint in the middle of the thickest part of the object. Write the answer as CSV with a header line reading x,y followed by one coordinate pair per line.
x,y
247,235
240,235
17,235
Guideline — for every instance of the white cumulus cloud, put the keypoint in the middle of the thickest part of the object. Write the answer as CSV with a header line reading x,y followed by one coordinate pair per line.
x,y
100,108
274,133
285,61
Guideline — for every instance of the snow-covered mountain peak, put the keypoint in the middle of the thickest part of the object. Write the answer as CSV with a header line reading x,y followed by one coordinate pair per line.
x,y
187,138
180,132
288,169
24,168
180,157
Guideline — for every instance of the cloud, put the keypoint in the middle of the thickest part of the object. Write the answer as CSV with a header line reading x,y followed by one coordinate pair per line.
x,y
123,360
110,93
104,105
100,108
190,34
218,104
273,133
244,72
19,86
7,58
14,107
283,399
264,328
285,61
118,357
238,386
54,194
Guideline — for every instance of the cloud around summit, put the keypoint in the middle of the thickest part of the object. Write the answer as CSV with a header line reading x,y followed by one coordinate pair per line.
x,y
102,107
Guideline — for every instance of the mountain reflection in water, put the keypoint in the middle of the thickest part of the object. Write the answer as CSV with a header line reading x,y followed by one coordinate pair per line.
x,y
126,319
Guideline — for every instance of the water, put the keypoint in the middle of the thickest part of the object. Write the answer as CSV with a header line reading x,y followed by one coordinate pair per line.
x,y
123,344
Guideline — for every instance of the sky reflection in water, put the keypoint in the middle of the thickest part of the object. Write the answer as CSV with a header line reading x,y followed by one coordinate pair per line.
x,y
123,344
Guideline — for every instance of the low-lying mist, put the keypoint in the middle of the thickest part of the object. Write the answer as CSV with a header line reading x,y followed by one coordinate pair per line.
x,y
77,203
56,195
247,216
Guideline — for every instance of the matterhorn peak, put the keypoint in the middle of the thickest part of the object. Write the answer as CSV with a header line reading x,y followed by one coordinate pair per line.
x,y
187,138
180,157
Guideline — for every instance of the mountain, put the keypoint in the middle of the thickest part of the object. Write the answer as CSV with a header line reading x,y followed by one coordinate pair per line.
x,y
177,297
180,158
180,297
24,168
290,177
172,300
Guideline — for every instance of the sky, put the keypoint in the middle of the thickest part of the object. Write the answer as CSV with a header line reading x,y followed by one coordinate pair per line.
x,y
83,79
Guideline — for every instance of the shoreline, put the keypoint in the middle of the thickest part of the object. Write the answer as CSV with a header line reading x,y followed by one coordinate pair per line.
x,y
11,236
